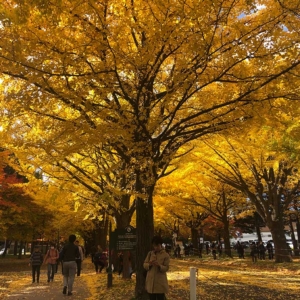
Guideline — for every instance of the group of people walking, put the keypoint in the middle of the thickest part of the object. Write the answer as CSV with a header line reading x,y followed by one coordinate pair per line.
x,y
258,251
70,256
37,259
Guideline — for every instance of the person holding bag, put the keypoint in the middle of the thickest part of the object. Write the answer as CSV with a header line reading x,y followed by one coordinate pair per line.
x,y
51,260
157,264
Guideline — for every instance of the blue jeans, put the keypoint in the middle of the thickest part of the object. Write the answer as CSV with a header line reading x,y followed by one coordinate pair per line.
x,y
51,270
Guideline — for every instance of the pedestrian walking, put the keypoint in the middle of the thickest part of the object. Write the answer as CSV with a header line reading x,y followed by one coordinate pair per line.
x,y
79,259
214,250
207,247
220,249
270,250
253,252
200,249
51,258
157,264
240,250
68,255
36,260
261,251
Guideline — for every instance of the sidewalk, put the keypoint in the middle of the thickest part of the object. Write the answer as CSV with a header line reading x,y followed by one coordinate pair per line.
x,y
24,289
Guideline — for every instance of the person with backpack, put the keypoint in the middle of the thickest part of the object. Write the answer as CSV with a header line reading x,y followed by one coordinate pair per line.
x,y
80,258
68,256
36,260
51,258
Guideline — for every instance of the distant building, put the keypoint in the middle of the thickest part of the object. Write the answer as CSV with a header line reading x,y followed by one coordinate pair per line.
x,y
265,235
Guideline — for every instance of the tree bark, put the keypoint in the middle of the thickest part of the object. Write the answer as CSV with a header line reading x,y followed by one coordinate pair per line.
x,y
226,237
195,237
257,228
104,235
144,231
282,253
295,244
122,221
16,248
6,245
298,230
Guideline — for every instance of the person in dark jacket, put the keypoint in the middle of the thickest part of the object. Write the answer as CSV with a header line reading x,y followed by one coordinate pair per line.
x,y
79,259
240,250
262,251
207,247
68,255
214,250
254,252
36,260
270,250
97,259
177,251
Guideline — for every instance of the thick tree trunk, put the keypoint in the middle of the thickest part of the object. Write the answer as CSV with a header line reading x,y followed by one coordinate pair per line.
x,y
6,246
226,237
298,230
295,244
257,228
122,221
103,231
282,253
195,238
126,265
145,231
16,248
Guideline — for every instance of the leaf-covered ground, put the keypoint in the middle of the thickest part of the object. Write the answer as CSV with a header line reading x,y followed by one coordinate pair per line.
x,y
221,279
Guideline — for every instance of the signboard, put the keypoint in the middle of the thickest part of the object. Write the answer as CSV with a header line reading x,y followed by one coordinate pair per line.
x,y
201,240
123,239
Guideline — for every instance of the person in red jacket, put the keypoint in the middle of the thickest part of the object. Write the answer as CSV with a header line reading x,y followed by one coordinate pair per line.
x,y
51,260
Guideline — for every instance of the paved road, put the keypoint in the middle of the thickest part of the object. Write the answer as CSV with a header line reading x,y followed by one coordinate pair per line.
x,y
24,289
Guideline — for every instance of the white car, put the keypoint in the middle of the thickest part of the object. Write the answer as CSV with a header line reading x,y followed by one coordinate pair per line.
x,y
2,251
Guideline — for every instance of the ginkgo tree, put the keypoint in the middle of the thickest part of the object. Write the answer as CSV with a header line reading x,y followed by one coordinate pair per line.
x,y
270,188
144,77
